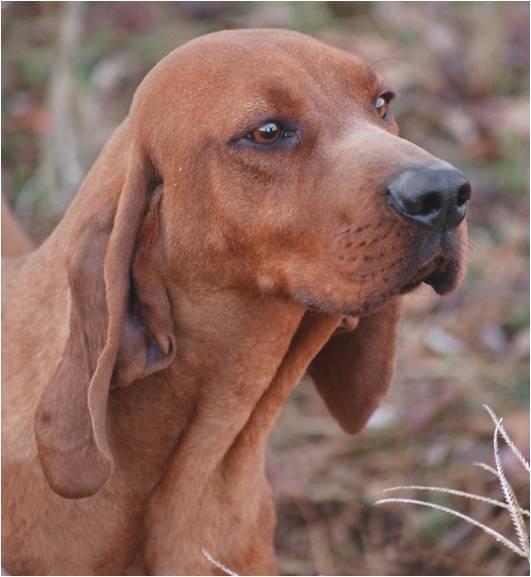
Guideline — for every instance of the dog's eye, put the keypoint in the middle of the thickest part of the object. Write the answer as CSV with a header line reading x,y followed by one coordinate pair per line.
x,y
270,135
382,105
267,133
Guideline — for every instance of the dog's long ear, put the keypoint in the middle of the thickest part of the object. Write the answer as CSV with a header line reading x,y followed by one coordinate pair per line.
x,y
148,343
353,371
107,343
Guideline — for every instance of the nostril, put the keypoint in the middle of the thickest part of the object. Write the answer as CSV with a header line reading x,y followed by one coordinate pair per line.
x,y
433,197
431,203
463,194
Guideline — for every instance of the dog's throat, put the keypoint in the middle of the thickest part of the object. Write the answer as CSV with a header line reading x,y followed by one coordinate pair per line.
x,y
237,408
312,334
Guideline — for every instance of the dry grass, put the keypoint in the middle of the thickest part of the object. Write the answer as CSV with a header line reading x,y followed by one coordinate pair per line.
x,y
511,504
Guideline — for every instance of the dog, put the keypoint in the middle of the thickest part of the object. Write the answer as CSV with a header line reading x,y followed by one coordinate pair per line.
x,y
254,217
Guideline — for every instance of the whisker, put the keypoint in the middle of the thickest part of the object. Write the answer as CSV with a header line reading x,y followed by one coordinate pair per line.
x,y
473,247
386,58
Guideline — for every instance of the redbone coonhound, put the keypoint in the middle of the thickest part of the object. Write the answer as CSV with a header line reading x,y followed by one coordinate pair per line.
x,y
256,196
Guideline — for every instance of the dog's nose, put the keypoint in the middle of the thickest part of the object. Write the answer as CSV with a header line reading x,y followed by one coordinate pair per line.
x,y
434,197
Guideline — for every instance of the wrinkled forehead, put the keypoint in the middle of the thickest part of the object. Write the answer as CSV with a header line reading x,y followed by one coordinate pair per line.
x,y
261,68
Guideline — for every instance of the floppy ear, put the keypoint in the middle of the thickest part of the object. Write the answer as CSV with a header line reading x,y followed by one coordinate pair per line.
x,y
148,342
353,370
107,343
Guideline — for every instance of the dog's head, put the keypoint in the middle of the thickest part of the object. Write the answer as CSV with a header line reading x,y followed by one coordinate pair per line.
x,y
259,160
287,153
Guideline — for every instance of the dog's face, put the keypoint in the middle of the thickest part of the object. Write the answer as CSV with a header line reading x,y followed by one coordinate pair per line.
x,y
297,174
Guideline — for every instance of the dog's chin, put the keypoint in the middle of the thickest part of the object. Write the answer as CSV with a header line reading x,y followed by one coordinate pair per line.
x,y
442,273
446,277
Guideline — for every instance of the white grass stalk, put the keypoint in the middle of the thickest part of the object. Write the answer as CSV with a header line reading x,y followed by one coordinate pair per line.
x,y
498,536
516,452
487,468
510,497
455,492
511,504
217,564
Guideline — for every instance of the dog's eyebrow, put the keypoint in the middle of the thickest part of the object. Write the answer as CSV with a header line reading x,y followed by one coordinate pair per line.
x,y
272,101
255,105
281,98
378,82
362,80
253,111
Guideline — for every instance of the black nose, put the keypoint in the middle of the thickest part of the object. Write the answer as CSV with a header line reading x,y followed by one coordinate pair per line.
x,y
434,197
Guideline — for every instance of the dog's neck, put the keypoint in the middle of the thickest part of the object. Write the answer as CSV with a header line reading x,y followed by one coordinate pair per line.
x,y
237,359
238,356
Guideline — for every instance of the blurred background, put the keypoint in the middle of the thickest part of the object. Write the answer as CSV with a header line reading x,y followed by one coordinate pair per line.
x,y
462,73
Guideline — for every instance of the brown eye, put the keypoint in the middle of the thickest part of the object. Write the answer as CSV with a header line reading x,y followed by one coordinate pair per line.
x,y
382,105
268,133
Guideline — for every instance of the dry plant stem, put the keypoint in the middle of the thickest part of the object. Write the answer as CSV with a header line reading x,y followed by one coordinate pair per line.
x,y
217,564
511,504
455,492
60,170
512,546
63,101
516,452
510,498
487,468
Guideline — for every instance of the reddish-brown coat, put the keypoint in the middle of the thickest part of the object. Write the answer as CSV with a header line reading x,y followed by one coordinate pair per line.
x,y
150,342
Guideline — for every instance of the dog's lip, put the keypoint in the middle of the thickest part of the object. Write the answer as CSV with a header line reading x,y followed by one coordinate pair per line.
x,y
443,277
425,273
